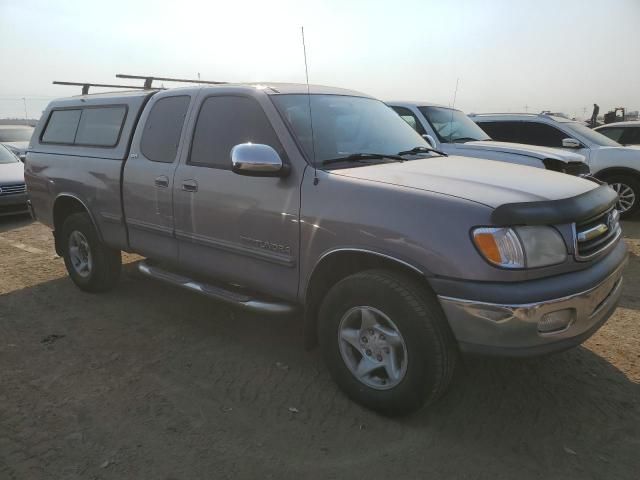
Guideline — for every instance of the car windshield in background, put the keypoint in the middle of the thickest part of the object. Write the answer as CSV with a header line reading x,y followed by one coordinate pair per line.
x,y
6,156
345,125
15,134
591,135
453,126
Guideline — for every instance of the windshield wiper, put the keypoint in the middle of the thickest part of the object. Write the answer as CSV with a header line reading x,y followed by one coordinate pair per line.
x,y
466,139
357,157
422,149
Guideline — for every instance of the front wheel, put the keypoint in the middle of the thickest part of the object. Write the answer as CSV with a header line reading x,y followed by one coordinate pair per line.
x,y
628,190
92,266
386,341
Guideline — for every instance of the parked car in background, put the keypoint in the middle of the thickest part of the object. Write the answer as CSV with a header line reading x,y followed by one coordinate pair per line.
x,y
16,138
609,161
13,196
287,198
625,133
453,132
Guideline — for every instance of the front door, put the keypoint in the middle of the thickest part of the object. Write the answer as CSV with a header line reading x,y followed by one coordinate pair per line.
x,y
148,177
235,228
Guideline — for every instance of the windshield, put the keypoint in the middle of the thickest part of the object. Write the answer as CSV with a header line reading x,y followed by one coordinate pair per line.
x,y
344,125
15,134
453,126
6,156
591,135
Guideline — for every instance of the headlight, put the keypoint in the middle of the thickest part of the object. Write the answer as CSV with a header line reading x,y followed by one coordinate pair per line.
x,y
520,247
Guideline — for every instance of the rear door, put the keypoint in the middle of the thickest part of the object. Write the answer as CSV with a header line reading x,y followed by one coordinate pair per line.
x,y
235,228
148,176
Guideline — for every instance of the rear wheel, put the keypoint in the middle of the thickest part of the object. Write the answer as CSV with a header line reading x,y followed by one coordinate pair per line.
x,y
92,266
628,190
386,341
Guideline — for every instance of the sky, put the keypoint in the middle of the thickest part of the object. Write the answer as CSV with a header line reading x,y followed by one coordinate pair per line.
x,y
533,55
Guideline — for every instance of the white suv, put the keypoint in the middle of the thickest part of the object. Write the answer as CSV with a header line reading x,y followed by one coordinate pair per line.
x,y
609,161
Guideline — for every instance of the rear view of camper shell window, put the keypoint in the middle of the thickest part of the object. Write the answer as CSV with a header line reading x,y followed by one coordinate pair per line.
x,y
89,126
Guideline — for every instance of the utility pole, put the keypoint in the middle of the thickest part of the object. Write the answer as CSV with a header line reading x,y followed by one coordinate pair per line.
x,y
526,108
26,116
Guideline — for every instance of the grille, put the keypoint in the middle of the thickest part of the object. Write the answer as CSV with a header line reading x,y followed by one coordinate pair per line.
x,y
596,234
571,168
577,168
13,189
13,209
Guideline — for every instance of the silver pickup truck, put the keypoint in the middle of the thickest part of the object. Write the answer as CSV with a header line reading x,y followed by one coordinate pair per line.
x,y
327,203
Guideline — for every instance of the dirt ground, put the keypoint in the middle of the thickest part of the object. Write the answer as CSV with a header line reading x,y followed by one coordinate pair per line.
x,y
152,382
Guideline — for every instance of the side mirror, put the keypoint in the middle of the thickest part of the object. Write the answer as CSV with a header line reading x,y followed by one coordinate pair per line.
x,y
257,160
430,140
570,143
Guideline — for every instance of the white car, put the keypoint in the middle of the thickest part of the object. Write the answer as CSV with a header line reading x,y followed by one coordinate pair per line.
x,y
453,132
609,161
16,138
625,133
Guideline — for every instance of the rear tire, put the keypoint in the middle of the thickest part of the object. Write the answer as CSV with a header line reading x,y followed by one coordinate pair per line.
x,y
628,189
411,365
92,266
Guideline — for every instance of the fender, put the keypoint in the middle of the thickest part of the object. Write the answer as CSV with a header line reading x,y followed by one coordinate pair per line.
x,y
84,205
380,255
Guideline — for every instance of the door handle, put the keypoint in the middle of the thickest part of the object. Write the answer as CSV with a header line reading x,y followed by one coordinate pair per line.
x,y
162,181
190,186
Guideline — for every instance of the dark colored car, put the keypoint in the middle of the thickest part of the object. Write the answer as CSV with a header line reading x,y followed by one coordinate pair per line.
x,y
13,196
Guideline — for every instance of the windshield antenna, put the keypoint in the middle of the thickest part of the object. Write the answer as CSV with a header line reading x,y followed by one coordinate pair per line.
x,y
453,106
313,142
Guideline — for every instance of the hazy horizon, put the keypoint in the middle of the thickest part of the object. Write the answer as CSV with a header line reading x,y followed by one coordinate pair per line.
x,y
508,56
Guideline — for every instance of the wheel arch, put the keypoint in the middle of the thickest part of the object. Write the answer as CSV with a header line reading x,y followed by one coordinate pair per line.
x,y
64,205
606,172
337,264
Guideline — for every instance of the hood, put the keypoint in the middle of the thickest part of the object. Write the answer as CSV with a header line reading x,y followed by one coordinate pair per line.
x,y
483,181
11,173
522,149
16,146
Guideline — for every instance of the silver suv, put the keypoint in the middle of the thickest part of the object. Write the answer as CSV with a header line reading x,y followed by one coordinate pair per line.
x,y
330,206
453,132
609,161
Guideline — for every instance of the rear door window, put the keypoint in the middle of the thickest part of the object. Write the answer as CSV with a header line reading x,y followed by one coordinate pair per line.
x,y
62,126
530,133
163,129
100,126
533,133
500,131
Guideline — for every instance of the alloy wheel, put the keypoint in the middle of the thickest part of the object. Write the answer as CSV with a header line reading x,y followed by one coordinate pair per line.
x,y
372,347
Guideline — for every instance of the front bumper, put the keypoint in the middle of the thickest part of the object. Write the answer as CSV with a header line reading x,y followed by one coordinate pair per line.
x,y
522,329
14,204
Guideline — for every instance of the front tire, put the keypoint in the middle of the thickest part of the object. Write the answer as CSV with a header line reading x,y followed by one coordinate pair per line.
x,y
92,266
386,341
628,190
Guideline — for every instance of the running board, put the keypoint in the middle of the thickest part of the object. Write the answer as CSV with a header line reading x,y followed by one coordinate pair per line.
x,y
239,299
